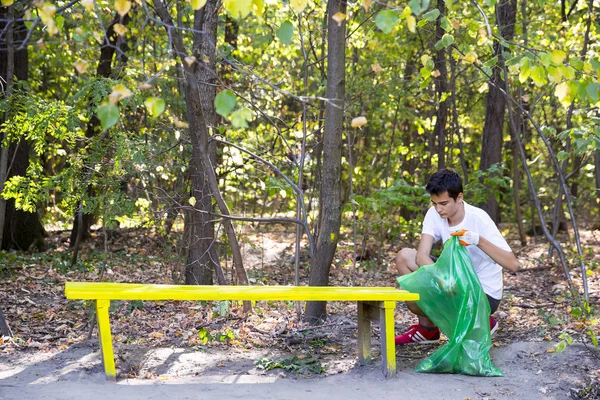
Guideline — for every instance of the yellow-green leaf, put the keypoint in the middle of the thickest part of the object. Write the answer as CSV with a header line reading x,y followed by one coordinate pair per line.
x,y
405,13
562,91
6,3
339,18
558,56
554,74
118,92
88,4
189,60
122,7
238,8
155,106
120,29
259,7
538,76
192,201
298,5
197,4
470,58
411,23
81,66
358,122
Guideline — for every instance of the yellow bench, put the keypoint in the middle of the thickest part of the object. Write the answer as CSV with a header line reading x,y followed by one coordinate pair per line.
x,y
375,304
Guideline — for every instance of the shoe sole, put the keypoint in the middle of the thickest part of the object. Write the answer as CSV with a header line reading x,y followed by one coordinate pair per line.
x,y
494,329
415,343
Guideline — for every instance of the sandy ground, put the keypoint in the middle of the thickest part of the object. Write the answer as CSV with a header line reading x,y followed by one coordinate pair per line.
x,y
226,373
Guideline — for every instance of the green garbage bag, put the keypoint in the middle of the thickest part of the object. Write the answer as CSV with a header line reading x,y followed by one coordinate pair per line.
x,y
452,297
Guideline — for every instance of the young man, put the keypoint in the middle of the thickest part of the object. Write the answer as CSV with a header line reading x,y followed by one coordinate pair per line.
x,y
449,216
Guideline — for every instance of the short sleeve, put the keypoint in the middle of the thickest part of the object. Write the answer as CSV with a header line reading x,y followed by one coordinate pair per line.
x,y
431,224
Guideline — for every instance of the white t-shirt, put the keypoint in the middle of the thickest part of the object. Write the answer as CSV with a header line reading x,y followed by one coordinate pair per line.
x,y
476,220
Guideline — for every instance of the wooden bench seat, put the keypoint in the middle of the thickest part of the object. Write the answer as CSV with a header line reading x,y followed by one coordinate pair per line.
x,y
375,304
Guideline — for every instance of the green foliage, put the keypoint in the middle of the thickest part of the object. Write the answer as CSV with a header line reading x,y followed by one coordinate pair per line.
x,y
380,210
483,184
206,337
285,32
108,114
386,20
225,102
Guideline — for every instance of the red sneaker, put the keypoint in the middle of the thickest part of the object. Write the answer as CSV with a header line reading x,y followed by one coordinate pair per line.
x,y
493,325
416,334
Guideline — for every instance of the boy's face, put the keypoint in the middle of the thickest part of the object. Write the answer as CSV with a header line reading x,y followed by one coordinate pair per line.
x,y
445,205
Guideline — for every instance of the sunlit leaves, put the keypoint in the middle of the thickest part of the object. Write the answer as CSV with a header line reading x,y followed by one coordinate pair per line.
x,y
118,92
285,32
358,122
108,114
155,106
197,4
47,11
122,7
81,66
225,102
298,5
192,201
6,3
386,20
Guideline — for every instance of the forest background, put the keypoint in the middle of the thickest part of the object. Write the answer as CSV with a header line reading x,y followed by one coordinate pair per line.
x,y
197,122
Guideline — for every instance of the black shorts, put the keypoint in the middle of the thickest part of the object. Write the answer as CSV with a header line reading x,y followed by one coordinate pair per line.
x,y
494,303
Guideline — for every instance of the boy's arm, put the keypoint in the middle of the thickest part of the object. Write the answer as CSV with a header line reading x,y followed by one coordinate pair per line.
x,y
424,250
504,258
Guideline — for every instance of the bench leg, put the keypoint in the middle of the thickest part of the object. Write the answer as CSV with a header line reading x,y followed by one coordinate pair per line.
x,y
364,334
388,345
105,337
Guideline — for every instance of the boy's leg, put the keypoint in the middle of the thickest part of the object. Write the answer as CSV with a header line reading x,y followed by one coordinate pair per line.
x,y
406,263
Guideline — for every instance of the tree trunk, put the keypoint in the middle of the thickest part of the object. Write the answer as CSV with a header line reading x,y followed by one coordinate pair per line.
x,y
22,230
202,256
199,135
441,87
330,198
491,146
4,328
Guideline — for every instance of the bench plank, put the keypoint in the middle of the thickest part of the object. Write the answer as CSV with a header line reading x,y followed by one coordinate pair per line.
x,y
132,291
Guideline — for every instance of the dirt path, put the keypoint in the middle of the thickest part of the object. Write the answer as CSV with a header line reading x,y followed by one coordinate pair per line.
x,y
531,373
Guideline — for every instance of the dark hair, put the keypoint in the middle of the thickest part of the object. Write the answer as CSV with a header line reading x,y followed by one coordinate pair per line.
x,y
445,180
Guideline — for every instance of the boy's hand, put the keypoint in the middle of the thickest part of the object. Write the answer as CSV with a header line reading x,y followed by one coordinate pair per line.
x,y
467,238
